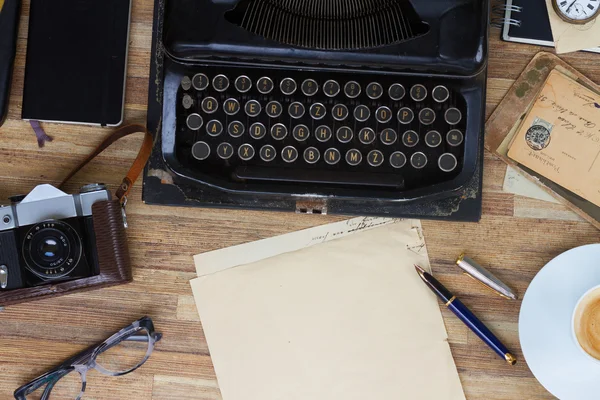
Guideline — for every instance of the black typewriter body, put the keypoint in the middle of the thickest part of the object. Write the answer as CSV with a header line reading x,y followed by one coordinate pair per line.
x,y
372,107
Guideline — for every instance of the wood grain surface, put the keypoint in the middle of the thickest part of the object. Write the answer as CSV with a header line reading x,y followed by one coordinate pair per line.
x,y
515,238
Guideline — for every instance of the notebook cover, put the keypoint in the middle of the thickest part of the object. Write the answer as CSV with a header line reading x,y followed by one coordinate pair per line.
x,y
535,24
514,108
76,61
9,22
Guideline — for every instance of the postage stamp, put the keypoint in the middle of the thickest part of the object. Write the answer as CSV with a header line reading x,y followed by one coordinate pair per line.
x,y
538,135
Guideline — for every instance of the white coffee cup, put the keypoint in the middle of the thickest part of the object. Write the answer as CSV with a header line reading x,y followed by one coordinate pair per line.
x,y
574,320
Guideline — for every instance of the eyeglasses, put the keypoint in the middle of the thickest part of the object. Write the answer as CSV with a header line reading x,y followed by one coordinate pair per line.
x,y
120,354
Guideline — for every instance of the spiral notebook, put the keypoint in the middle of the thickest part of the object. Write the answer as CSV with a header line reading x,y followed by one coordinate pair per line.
x,y
526,21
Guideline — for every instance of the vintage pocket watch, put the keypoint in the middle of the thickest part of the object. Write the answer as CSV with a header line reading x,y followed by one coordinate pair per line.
x,y
577,11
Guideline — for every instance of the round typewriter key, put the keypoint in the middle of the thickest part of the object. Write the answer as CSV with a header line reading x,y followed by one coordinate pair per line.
x,y
187,102
362,113
194,121
418,93
274,109
374,90
311,155
323,133
375,158
265,85
296,110
447,162
214,127
454,137
397,159
289,154
340,112
243,84
317,111
440,93
267,153
383,115
231,106
427,116
288,86
209,105
405,115
396,92
309,87
278,131
300,133
366,135
352,89
186,83
200,81
388,136
344,134
225,150
433,139
353,157
200,151
410,138
257,130
220,83
235,129
331,88
418,160
246,152
252,108
332,156
453,116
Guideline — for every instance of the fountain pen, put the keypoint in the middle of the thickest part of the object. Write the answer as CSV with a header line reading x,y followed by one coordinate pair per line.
x,y
466,316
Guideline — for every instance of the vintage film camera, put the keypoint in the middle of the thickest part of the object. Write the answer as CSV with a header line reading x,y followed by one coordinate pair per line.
x,y
49,237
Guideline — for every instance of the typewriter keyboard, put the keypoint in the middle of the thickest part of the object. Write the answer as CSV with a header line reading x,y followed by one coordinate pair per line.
x,y
319,128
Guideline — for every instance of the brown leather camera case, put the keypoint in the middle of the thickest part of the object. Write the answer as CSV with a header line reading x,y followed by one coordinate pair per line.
x,y
111,238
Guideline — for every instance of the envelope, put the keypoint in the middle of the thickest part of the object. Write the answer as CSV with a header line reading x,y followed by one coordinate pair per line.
x,y
572,37
346,319
560,137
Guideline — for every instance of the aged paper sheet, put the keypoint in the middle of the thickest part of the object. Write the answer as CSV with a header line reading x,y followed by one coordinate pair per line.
x,y
516,183
346,319
560,137
572,37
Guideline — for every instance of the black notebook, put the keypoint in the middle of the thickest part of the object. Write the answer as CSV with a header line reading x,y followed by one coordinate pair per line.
x,y
526,21
76,61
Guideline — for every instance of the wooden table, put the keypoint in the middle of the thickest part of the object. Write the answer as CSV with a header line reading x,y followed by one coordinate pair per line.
x,y
516,237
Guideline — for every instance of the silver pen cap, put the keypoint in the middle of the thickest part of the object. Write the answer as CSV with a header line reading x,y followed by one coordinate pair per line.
x,y
482,275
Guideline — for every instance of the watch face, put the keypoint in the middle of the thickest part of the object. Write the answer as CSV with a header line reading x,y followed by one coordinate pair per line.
x,y
577,10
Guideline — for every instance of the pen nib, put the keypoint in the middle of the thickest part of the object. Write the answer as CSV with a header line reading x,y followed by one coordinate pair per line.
x,y
420,271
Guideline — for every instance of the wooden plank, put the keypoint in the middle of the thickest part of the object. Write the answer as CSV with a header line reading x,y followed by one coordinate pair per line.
x,y
515,238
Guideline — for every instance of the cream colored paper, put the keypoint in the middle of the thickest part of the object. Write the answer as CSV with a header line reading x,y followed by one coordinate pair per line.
x,y
516,183
572,37
348,319
246,253
570,155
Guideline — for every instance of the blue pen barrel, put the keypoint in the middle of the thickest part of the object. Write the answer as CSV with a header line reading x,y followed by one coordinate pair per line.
x,y
466,316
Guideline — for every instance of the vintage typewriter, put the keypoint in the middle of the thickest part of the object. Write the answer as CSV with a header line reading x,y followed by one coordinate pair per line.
x,y
370,107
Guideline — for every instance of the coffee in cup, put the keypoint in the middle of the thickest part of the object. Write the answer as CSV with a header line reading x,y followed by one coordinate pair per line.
x,y
586,323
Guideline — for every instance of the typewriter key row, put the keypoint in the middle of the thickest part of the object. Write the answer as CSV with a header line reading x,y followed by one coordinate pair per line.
x,y
309,87
201,151
324,133
318,111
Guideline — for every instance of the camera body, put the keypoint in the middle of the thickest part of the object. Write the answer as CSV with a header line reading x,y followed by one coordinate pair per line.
x,y
48,237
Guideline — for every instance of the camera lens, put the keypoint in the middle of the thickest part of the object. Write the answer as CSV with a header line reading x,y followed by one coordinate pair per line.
x,y
51,249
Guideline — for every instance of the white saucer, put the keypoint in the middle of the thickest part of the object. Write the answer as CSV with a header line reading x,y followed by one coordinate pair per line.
x,y
545,325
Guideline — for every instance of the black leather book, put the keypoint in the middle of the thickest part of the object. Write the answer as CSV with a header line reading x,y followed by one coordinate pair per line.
x,y
9,21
